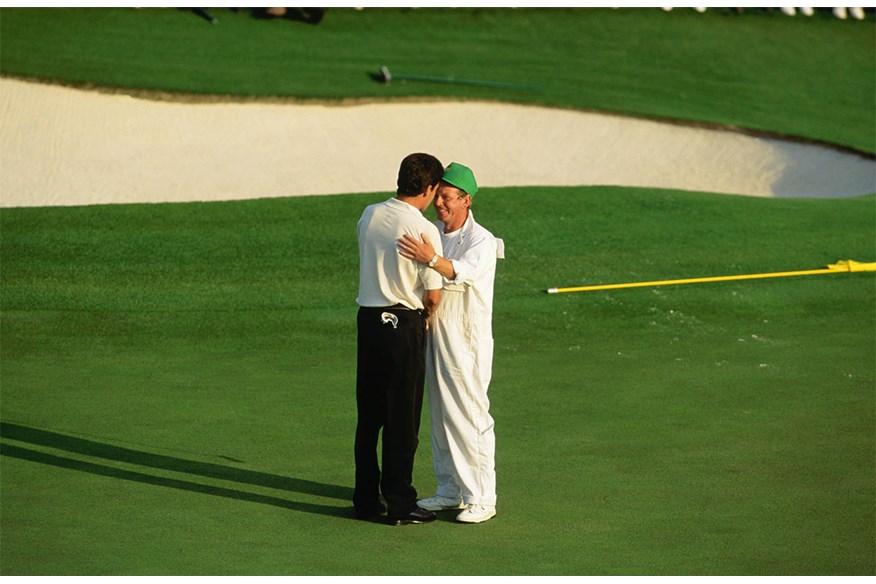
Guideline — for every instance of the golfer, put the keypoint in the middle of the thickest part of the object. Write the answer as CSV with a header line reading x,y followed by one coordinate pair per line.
x,y
459,353
396,296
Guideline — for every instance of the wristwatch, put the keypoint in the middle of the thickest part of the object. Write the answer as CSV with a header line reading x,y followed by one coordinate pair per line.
x,y
433,261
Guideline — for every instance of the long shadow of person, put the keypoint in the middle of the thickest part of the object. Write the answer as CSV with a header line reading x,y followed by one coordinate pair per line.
x,y
37,437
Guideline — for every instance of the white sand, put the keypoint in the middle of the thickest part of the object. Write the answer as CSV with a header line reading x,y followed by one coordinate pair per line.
x,y
62,146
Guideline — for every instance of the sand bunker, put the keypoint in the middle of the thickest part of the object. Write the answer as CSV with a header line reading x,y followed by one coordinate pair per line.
x,y
62,146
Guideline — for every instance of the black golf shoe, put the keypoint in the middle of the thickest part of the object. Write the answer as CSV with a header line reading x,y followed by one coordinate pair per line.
x,y
416,516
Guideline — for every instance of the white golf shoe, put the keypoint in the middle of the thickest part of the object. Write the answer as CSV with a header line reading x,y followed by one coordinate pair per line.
x,y
477,513
439,503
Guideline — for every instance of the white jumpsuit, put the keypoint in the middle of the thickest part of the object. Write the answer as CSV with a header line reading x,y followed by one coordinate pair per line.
x,y
459,363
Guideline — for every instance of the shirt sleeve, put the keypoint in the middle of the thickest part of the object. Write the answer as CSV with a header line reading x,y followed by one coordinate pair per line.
x,y
431,279
478,257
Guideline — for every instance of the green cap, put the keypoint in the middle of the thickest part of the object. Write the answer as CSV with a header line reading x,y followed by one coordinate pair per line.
x,y
461,177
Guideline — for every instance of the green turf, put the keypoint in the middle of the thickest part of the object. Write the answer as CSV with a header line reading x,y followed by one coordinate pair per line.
x,y
177,390
177,380
808,77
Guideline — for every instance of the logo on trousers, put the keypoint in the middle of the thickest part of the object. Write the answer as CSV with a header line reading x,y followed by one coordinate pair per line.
x,y
389,318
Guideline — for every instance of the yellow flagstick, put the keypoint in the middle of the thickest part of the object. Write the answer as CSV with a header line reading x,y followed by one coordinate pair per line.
x,y
840,266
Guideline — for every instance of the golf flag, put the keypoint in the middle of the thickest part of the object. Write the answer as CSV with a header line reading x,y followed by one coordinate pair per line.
x,y
840,267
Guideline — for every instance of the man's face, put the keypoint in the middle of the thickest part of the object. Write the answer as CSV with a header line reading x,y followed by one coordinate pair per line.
x,y
451,205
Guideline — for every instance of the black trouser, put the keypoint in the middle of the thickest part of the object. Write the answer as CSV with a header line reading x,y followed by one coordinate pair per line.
x,y
390,376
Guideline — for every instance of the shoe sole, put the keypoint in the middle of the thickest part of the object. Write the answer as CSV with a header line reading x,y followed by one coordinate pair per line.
x,y
475,522
409,521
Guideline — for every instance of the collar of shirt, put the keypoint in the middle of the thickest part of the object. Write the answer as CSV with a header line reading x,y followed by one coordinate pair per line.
x,y
463,231
469,224
404,206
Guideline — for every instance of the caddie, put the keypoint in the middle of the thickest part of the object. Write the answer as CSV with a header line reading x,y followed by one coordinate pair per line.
x,y
459,353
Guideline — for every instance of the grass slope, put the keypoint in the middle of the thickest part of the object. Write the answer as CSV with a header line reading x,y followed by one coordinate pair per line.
x,y
807,77
178,391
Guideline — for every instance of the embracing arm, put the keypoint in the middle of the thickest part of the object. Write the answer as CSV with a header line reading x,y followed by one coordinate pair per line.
x,y
423,252
431,298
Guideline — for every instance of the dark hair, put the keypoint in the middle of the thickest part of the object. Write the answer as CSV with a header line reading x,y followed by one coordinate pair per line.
x,y
418,172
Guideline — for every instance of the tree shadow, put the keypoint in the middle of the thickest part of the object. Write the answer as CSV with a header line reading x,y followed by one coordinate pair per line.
x,y
73,444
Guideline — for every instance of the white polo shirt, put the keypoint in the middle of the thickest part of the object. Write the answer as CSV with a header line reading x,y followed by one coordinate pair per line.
x,y
385,277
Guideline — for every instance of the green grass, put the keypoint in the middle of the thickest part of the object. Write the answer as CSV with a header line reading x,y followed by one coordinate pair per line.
x,y
808,77
178,381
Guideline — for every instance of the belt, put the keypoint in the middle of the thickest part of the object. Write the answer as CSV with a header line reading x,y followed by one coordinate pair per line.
x,y
393,307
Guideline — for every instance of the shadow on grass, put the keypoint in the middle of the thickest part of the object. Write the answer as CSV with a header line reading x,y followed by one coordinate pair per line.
x,y
114,453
